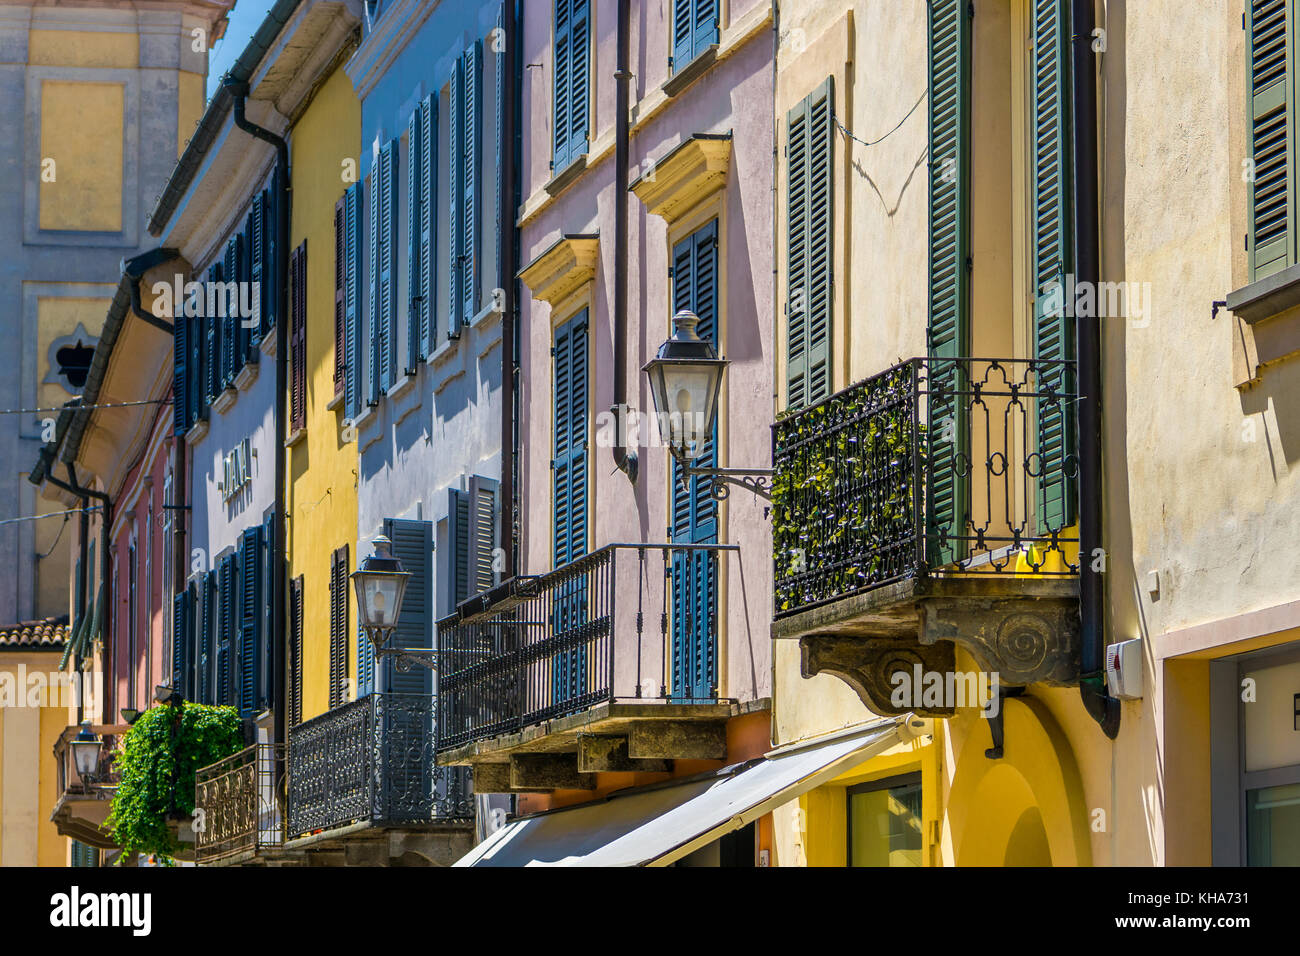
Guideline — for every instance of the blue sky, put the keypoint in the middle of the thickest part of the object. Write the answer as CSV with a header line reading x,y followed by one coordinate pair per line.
x,y
244,19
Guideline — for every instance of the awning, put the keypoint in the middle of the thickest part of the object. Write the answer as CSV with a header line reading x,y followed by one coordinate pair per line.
x,y
658,825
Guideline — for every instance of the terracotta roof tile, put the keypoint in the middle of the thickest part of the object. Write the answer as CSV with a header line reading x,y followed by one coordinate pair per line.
x,y
52,633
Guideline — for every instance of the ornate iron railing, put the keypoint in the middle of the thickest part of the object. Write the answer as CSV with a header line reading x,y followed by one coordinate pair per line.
x,y
373,760
242,804
538,648
934,466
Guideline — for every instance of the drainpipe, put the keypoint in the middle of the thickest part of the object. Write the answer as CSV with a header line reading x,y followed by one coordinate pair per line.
x,y
626,460
1092,631
134,269
239,93
106,564
82,553
509,259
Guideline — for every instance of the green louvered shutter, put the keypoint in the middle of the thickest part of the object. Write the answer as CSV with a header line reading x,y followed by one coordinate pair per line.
x,y
471,160
694,510
428,275
352,301
949,56
374,319
251,604
413,546
1270,55
810,247
1052,261
414,202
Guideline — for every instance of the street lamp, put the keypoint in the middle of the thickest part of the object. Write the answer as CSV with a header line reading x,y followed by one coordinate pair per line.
x,y
685,379
380,584
86,752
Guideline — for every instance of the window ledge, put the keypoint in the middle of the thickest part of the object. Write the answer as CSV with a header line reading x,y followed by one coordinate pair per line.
x,y
295,436
247,376
565,176
223,402
365,415
1267,297
443,352
400,387
335,403
268,343
691,71
196,433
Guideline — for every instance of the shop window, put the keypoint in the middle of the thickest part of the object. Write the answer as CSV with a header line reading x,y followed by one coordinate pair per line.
x,y
884,822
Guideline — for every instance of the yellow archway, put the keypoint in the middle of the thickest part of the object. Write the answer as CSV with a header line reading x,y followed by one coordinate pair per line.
x,y
1026,809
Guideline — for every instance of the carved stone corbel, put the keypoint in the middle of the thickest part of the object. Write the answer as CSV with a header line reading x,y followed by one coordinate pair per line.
x,y
1022,640
868,665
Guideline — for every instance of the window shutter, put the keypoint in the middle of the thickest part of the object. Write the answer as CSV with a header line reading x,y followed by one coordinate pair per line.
x,y
387,265
339,627
352,300
204,684
374,320
503,230
247,263
1270,56
570,462
212,351
482,534
295,651
180,375
455,190
428,274
298,337
462,536
414,199
694,511
1053,222
180,635
225,629
563,79
257,267
472,180
949,56
340,296
809,225
272,198
365,664
413,546
572,50
252,601
695,28
266,664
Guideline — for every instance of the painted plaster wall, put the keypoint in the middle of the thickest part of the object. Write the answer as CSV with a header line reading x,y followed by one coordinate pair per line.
x,y
439,427
321,500
27,771
735,96
145,55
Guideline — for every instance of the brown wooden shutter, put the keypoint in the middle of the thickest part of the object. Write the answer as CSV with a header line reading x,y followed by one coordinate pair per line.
x,y
298,338
340,296
339,627
295,651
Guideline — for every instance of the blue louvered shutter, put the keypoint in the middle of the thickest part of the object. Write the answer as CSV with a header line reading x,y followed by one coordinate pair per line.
x,y
257,269
251,604
810,247
212,345
272,200
413,546
572,79
181,633
365,664
226,616
231,331
694,511
206,651
180,376
387,265
1052,261
374,319
569,468
428,275
471,180
266,657
949,64
455,190
503,231
458,512
415,148
338,657
695,28
352,300
1270,74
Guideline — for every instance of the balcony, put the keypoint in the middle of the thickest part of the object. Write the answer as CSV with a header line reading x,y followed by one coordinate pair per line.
x,y
928,507
242,799
82,804
609,663
364,786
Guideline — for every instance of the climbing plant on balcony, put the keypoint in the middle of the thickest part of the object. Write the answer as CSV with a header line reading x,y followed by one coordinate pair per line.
x,y
157,760
843,505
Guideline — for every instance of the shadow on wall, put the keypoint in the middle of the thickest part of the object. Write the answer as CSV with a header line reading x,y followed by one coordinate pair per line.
x,y
1275,399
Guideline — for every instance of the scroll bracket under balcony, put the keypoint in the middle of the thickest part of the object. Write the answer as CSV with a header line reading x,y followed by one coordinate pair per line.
x,y
757,481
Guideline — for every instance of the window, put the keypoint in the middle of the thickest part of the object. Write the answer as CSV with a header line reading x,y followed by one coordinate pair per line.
x,y
298,338
694,277
1270,72
695,29
809,242
466,187
383,277
884,822
572,79
339,688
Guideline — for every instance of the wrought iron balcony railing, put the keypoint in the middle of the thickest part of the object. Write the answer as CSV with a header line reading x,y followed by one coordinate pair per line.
x,y
538,648
372,760
242,804
932,467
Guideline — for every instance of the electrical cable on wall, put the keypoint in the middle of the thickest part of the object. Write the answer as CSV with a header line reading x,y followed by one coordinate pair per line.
x,y
52,514
849,133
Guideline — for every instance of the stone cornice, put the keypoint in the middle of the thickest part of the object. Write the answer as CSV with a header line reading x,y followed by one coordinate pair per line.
x,y
689,174
563,268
